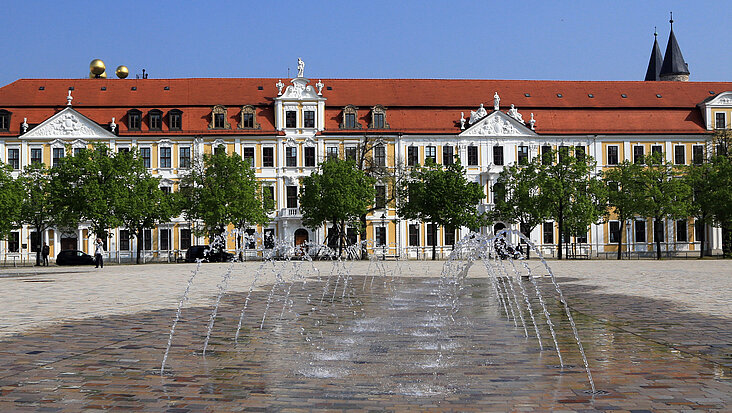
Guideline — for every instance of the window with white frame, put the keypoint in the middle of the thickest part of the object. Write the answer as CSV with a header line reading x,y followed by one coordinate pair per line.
x,y
612,155
640,231
36,155
14,158
164,241
184,157
166,157
679,154
247,154
720,120
380,155
614,230
146,157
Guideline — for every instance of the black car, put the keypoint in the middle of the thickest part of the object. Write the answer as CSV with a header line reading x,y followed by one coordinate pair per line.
x,y
74,257
205,253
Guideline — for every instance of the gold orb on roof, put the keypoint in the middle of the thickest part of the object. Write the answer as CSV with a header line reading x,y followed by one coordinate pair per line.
x,y
97,67
122,71
103,75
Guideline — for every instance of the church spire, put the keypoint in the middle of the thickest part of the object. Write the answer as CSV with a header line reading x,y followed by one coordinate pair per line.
x,y
654,64
674,67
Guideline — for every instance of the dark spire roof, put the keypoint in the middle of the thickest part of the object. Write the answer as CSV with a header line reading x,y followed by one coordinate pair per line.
x,y
654,64
673,61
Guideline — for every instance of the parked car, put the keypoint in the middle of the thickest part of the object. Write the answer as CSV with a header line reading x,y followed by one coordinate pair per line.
x,y
205,253
74,257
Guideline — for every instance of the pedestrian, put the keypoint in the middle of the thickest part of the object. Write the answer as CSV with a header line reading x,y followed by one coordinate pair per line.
x,y
98,260
44,252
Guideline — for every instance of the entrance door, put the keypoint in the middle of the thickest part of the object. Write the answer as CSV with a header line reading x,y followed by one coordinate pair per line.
x,y
69,243
301,237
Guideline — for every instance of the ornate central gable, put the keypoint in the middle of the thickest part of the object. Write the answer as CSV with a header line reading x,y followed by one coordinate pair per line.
x,y
498,124
68,124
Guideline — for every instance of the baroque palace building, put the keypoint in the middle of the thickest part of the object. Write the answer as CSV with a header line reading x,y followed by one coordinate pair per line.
x,y
286,130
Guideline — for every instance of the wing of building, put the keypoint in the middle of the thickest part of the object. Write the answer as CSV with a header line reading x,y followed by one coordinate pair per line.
x,y
285,130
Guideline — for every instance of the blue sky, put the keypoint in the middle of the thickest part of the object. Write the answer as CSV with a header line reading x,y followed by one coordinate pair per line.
x,y
564,40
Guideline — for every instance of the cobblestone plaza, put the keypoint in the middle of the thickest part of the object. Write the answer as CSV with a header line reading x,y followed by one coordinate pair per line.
x,y
658,337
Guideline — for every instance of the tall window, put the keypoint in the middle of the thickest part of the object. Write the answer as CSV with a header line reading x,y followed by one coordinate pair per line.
x,y
290,156
146,239
351,153
58,155
657,151
5,120
248,118
698,154
679,155
380,236
145,155
449,235
350,116
331,152
247,153
548,231
681,233
36,155
380,196
184,157
612,155
638,153
268,157
268,193
291,196
523,155
219,118
614,228
698,231
124,240
133,119
640,231
185,238
309,118
290,119
309,156
379,155
412,155
563,153
269,238
414,235
14,158
499,192
579,153
546,155
448,156
175,118
77,151
165,157
155,119
498,155
14,242
430,154
431,234
720,120
35,239
472,155
658,232
164,239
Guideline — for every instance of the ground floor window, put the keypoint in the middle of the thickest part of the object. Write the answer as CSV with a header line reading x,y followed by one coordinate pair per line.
x,y
251,241
658,233
380,236
124,240
449,235
581,239
681,235
414,235
185,238
614,229
548,229
146,239
351,236
14,242
164,240
640,231
35,240
431,234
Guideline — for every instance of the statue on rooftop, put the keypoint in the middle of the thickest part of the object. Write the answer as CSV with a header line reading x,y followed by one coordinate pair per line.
x,y
300,68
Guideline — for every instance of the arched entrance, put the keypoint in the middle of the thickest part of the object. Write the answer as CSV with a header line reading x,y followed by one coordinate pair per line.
x,y
301,236
69,240
500,226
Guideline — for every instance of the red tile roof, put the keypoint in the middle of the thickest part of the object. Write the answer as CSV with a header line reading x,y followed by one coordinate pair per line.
x,y
413,105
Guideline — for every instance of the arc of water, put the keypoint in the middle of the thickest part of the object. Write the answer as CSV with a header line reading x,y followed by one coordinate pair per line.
x,y
528,304
183,299
222,290
515,298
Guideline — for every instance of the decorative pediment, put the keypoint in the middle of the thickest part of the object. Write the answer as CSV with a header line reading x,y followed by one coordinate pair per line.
x,y
720,101
498,124
300,90
68,124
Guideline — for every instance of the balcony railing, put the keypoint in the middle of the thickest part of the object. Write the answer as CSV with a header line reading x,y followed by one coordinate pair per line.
x,y
290,212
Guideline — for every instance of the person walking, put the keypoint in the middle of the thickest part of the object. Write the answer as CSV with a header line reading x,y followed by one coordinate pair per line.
x,y
44,252
98,260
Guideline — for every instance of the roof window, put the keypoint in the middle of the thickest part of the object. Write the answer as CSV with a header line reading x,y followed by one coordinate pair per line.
x,y
590,95
41,88
103,88
71,88
659,96
711,92
260,88
559,95
528,95
328,88
166,88
133,88
623,95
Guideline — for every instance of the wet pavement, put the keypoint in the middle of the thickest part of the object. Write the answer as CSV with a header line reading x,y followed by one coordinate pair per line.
x,y
377,343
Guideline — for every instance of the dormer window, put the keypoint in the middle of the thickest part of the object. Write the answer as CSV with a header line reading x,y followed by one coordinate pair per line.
x,y
175,118
5,120
350,116
155,119
248,118
133,119
219,118
378,118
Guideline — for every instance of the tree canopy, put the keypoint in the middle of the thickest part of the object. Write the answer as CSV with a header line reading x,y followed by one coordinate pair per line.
x,y
10,201
624,188
441,195
37,207
338,193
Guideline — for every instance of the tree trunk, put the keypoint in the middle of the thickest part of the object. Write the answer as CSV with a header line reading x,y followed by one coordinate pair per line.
x,y
138,235
703,236
38,246
620,240
561,235
364,249
657,238
434,241
340,239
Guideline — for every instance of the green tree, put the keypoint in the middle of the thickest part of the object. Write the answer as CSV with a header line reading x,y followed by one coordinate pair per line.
x,y
36,207
142,203
10,201
441,196
222,191
87,187
338,192
623,191
720,146
573,195
518,197
665,195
